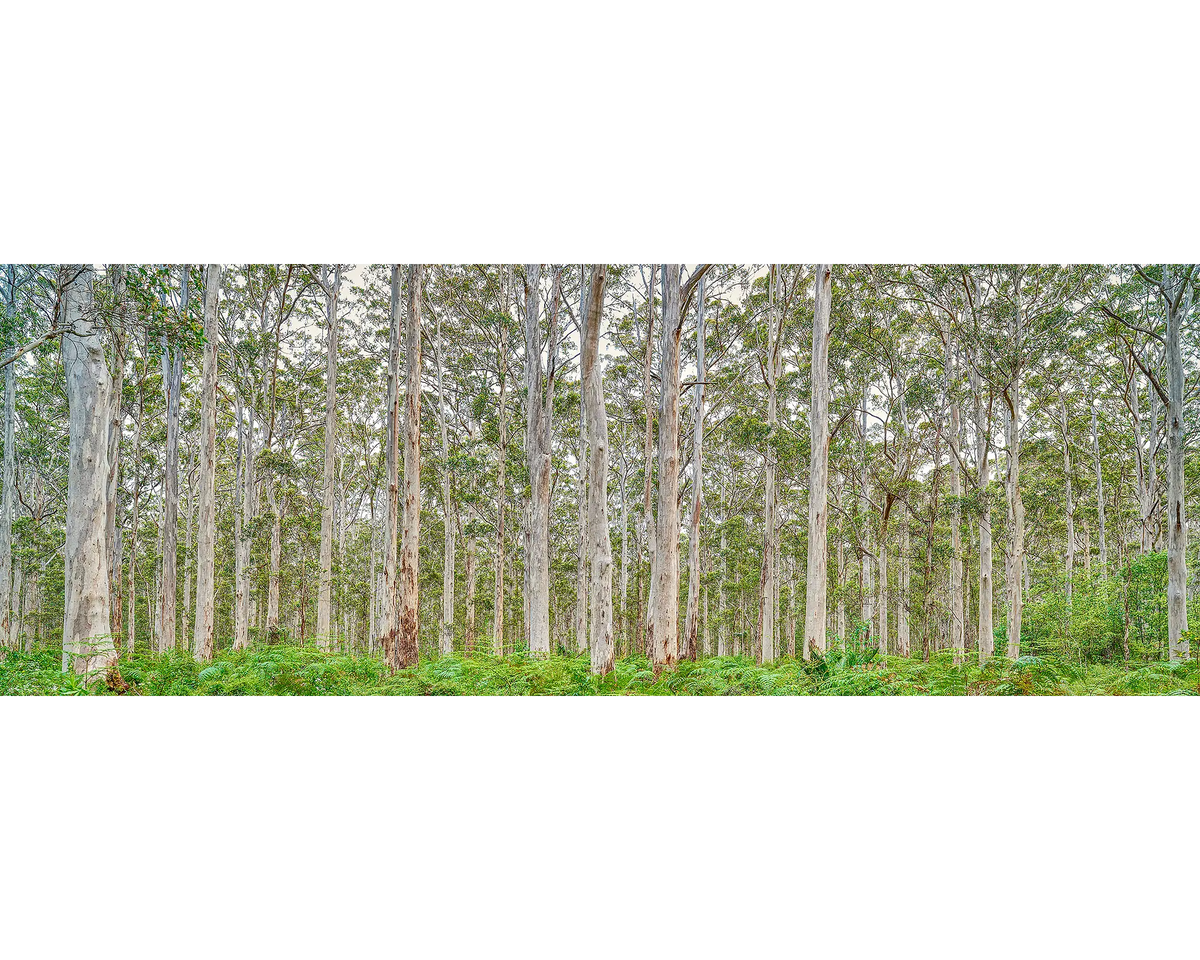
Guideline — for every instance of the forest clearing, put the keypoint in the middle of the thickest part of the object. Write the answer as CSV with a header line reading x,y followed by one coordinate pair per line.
x,y
576,479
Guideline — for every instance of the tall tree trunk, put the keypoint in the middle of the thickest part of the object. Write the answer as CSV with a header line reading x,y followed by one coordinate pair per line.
x,y
1016,512
87,639
983,466
188,553
407,642
624,581
116,422
649,528
1178,306
769,600
501,480
581,569
866,574
1099,494
537,450
203,639
472,563
665,600
8,497
332,286
1069,504
172,373
135,524
242,538
957,604
391,600
691,624
241,629
722,617
818,471
903,626
446,632
597,431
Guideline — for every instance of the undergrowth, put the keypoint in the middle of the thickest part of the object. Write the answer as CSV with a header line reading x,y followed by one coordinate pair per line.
x,y
290,670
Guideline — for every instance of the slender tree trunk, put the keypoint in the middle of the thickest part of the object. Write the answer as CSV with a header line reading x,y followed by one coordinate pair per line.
x,y
818,471
446,633
769,600
501,481
116,422
841,597
624,588
203,640
599,539
903,627
983,465
406,647
1179,645
242,537
722,616
8,498
1099,494
957,604
391,600
87,638
1069,504
241,631
172,371
537,449
332,286
665,601
691,623
188,553
135,523
581,569
649,528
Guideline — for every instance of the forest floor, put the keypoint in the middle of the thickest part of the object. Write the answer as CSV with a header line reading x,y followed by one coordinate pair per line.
x,y
286,669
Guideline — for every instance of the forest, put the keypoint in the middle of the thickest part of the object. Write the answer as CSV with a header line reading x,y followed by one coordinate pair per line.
x,y
599,478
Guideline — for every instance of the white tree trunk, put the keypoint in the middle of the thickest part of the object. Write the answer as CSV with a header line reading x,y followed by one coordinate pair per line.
x,y
172,372
818,471
387,620
665,598
983,465
1178,306
1099,494
446,632
87,637
407,641
8,497
203,638
537,449
331,281
770,601
688,649
599,539
957,600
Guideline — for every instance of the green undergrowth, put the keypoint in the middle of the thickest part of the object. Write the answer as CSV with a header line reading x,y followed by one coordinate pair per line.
x,y
289,670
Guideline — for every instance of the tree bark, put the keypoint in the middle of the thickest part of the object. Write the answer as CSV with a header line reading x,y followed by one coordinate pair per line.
x,y
203,638
538,410
688,649
818,471
172,372
649,528
332,287
1178,305
87,638
8,497
391,601
446,631
665,599
1099,494
116,422
407,644
597,430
